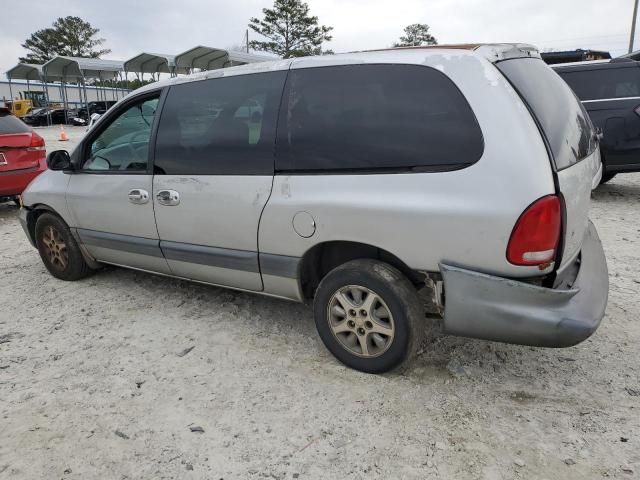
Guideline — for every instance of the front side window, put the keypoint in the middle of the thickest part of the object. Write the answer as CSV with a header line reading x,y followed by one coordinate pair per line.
x,y
221,126
377,118
124,145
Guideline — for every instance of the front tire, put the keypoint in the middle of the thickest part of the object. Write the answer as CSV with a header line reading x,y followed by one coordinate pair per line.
x,y
58,249
369,316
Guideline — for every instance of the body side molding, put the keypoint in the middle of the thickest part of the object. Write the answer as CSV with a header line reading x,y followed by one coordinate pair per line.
x,y
115,241
243,260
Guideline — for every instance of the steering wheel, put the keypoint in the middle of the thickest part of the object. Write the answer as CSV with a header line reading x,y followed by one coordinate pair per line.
x,y
95,157
134,153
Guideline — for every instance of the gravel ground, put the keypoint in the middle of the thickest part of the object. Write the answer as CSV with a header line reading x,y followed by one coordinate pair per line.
x,y
126,375
52,135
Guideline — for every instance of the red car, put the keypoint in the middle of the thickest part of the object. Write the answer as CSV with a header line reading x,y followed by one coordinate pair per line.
x,y
22,155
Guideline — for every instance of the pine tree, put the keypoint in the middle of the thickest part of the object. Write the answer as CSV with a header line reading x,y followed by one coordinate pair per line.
x,y
290,30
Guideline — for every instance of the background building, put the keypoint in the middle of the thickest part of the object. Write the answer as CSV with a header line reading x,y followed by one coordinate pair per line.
x,y
35,91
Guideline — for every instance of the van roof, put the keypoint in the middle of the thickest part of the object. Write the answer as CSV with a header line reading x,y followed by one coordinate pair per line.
x,y
493,52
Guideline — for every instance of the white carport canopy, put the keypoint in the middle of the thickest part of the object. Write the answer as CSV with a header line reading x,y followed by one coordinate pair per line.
x,y
208,58
153,63
75,68
78,70
25,71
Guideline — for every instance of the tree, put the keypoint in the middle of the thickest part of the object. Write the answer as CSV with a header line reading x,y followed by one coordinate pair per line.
x,y
77,38
416,35
290,30
69,36
42,46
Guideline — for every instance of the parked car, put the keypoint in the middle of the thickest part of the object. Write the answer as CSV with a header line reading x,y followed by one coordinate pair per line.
x,y
33,114
22,155
99,107
81,122
610,92
36,117
378,182
41,117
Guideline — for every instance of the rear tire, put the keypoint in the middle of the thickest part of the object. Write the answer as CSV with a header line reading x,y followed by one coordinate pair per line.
x,y
606,177
58,249
369,316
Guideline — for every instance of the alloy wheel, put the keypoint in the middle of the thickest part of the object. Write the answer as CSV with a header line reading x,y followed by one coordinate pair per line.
x,y
361,321
55,248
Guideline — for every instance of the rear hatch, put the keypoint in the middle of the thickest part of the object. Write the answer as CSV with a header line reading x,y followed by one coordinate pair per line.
x,y
570,138
18,151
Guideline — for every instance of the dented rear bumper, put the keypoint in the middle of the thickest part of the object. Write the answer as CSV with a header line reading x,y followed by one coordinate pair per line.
x,y
494,308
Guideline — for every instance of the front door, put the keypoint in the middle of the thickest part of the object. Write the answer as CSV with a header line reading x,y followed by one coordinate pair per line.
x,y
110,197
213,170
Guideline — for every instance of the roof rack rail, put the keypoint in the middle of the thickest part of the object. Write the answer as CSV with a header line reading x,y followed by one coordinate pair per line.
x,y
622,59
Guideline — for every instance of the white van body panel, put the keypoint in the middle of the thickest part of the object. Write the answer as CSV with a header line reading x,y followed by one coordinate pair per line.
x,y
452,225
464,216
575,184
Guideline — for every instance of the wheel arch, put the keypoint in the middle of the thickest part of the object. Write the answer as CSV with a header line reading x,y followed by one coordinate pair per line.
x,y
32,217
323,257
36,210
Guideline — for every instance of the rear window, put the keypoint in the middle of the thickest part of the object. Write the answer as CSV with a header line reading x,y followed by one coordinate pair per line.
x,y
11,124
561,117
604,83
375,118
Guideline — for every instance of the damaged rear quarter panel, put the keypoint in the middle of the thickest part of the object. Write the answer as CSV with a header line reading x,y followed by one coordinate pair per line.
x,y
464,216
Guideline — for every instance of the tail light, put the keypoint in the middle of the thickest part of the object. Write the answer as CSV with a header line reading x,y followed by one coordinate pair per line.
x,y
37,142
536,235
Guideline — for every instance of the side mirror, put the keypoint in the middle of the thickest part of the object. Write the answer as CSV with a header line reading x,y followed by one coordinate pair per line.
x,y
59,160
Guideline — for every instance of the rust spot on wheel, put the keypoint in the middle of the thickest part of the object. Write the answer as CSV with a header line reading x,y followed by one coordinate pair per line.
x,y
55,248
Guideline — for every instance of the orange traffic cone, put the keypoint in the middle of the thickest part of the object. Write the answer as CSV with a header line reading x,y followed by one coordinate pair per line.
x,y
63,135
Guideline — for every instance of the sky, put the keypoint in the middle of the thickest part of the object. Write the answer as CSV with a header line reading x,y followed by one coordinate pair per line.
x,y
170,26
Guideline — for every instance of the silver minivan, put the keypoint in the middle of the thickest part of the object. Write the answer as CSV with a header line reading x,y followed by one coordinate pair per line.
x,y
392,189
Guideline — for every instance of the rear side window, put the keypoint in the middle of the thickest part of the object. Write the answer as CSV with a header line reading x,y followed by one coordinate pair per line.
x,y
10,124
377,118
561,117
604,83
222,126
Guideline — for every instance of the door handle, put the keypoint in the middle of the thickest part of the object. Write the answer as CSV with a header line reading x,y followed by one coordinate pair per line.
x,y
138,196
168,197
